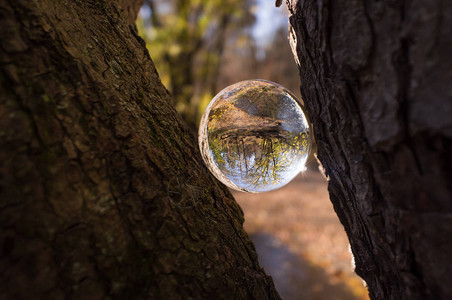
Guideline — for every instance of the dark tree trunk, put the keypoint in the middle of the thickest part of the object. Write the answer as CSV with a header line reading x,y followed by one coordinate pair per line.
x,y
376,81
102,191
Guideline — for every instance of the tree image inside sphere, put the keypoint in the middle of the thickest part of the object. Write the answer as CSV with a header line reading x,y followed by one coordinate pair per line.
x,y
254,136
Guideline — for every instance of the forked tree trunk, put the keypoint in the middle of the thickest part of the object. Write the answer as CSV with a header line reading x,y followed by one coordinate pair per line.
x,y
102,190
376,81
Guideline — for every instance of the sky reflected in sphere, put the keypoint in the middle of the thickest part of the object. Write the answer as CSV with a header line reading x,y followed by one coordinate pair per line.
x,y
254,136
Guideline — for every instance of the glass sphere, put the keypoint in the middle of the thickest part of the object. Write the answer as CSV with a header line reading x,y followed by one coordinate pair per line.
x,y
254,136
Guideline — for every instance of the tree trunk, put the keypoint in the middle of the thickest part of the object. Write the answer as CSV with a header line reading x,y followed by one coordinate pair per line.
x,y
103,192
375,79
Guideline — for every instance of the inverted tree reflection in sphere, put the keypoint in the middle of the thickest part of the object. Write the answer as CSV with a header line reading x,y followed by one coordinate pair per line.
x,y
254,136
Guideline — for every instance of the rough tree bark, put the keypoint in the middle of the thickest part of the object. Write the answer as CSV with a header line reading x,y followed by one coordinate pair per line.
x,y
375,79
103,193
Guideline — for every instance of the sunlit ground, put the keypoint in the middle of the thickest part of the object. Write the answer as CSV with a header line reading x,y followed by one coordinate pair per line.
x,y
300,241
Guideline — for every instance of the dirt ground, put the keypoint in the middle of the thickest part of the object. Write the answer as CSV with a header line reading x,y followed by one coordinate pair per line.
x,y
300,241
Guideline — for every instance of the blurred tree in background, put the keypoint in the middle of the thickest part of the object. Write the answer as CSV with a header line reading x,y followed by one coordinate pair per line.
x,y
199,47
186,39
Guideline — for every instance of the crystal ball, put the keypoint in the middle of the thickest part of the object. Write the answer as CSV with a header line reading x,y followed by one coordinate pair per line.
x,y
254,136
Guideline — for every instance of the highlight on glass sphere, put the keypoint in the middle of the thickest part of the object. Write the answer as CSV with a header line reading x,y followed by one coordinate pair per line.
x,y
254,136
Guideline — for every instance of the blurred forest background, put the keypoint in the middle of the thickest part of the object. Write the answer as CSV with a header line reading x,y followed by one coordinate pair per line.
x,y
200,47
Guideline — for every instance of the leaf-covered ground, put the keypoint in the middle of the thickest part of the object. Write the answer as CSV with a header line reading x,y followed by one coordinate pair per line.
x,y
300,241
